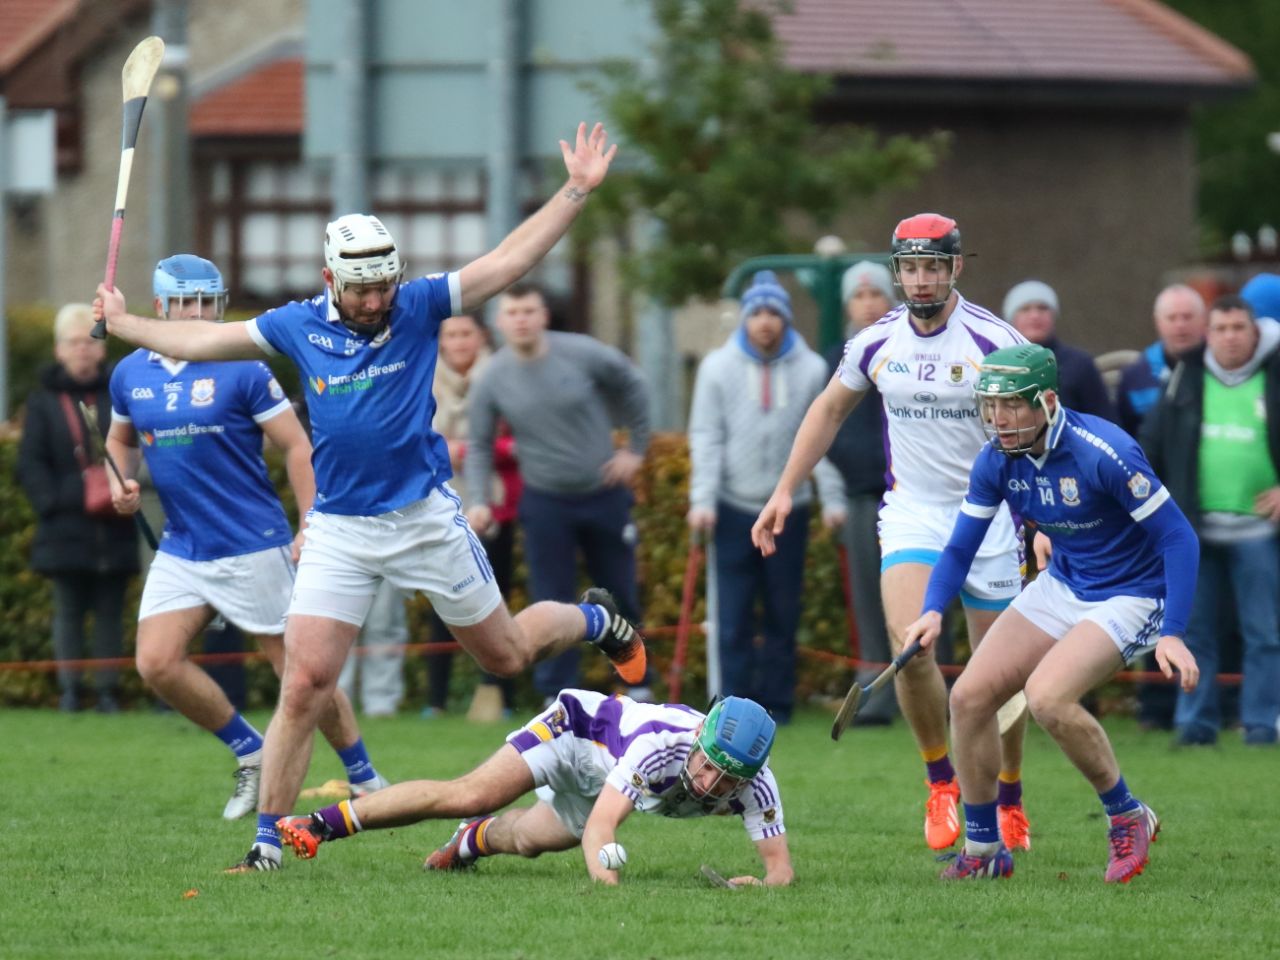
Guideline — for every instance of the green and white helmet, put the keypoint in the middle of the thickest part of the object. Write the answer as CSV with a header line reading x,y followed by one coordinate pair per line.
x,y
1026,371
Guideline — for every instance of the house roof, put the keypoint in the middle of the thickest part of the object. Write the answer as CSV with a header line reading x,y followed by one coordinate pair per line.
x,y
25,24
1125,42
267,100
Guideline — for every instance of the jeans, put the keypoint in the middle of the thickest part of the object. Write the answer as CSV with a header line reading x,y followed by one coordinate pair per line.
x,y
556,528
764,671
1247,572
74,596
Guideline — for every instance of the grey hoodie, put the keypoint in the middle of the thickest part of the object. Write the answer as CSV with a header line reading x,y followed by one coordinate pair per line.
x,y
744,419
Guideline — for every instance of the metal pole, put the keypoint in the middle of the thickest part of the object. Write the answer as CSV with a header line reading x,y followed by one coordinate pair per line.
x,y
351,73
4,230
170,203
502,162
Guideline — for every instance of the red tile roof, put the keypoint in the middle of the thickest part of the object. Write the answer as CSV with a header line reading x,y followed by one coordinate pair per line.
x,y
25,24
1127,41
266,101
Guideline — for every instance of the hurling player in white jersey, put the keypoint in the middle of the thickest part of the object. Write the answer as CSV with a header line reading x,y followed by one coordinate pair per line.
x,y
366,349
592,760
1120,583
923,357
227,547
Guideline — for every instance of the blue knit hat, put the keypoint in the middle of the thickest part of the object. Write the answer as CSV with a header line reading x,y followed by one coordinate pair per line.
x,y
766,292
1263,294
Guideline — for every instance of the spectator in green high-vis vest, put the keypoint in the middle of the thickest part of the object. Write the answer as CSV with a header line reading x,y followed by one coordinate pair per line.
x,y
1214,437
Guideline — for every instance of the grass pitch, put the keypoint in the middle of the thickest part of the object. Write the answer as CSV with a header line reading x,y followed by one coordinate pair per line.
x,y
112,822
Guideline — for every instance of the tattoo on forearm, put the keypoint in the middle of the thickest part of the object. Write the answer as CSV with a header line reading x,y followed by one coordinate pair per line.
x,y
575,195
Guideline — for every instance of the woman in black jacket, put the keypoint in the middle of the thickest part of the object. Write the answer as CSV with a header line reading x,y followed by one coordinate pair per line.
x,y
89,558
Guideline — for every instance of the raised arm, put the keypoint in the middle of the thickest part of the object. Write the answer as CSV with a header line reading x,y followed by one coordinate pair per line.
x,y
180,339
587,162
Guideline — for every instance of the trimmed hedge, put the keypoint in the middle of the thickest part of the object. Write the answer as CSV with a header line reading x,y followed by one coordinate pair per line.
x,y
25,599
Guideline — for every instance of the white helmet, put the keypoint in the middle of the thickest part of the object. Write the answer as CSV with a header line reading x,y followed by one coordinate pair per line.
x,y
358,249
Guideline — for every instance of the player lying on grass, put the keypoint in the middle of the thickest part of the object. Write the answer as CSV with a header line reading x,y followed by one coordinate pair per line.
x,y
227,546
592,760
1120,581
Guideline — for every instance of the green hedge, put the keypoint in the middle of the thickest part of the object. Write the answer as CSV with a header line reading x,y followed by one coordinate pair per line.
x,y
663,551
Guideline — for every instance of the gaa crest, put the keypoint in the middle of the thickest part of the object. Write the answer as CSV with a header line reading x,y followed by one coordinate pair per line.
x,y
202,392
1070,491
957,373
1139,486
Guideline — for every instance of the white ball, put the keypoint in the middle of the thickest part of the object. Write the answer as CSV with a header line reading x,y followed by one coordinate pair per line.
x,y
613,856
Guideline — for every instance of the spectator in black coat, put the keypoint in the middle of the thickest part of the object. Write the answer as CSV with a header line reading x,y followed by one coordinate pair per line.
x,y
1032,307
89,558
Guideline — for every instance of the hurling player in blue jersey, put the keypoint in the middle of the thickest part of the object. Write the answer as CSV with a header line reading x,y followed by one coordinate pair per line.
x,y
227,546
1119,583
366,349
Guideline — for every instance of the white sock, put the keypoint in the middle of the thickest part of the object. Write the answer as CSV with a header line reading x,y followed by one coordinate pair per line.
x,y
973,849
251,759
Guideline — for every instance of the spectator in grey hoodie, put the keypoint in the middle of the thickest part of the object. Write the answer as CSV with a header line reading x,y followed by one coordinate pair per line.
x,y
748,401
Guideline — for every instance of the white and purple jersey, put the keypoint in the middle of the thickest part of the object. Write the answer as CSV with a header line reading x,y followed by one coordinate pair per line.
x,y
932,427
199,427
639,749
369,399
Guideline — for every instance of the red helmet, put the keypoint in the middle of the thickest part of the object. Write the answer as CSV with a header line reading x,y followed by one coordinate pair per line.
x,y
926,235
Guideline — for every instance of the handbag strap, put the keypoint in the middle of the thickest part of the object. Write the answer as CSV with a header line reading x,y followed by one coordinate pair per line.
x,y
76,426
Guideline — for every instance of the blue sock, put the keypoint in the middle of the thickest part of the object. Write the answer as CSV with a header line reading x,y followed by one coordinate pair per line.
x,y
1118,799
980,824
267,829
597,620
356,759
240,736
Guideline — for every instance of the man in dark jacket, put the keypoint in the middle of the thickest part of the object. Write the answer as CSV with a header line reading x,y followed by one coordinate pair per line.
x,y
1032,307
1179,318
1214,438
88,558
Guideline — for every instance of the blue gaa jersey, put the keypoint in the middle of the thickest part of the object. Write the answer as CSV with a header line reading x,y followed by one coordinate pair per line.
x,y
370,400
1088,495
198,425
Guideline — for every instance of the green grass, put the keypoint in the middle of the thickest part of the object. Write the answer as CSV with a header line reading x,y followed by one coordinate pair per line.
x,y
111,819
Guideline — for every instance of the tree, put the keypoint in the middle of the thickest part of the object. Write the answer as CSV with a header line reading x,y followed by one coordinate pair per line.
x,y
1237,170
723,150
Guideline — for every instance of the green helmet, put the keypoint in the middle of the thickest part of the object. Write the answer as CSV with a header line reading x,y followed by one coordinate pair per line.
x,y
1026,370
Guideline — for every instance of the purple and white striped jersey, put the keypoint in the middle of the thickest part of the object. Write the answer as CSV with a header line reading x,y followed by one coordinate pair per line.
x,y
639,749
932,429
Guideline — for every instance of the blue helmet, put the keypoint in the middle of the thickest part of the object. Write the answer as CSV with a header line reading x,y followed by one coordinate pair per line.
x,y
735,739
184,276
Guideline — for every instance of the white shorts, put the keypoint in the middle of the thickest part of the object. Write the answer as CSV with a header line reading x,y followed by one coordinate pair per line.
x,y
251,590
1132,623
918,533
427,546
567,772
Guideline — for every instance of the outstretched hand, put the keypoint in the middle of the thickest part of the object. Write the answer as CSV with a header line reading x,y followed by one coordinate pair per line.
x,y
1172,654
770,523
587,160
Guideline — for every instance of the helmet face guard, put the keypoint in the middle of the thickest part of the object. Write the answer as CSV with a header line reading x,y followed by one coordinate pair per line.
x,y
359,251
1012,384
930,244
734,742
185,279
